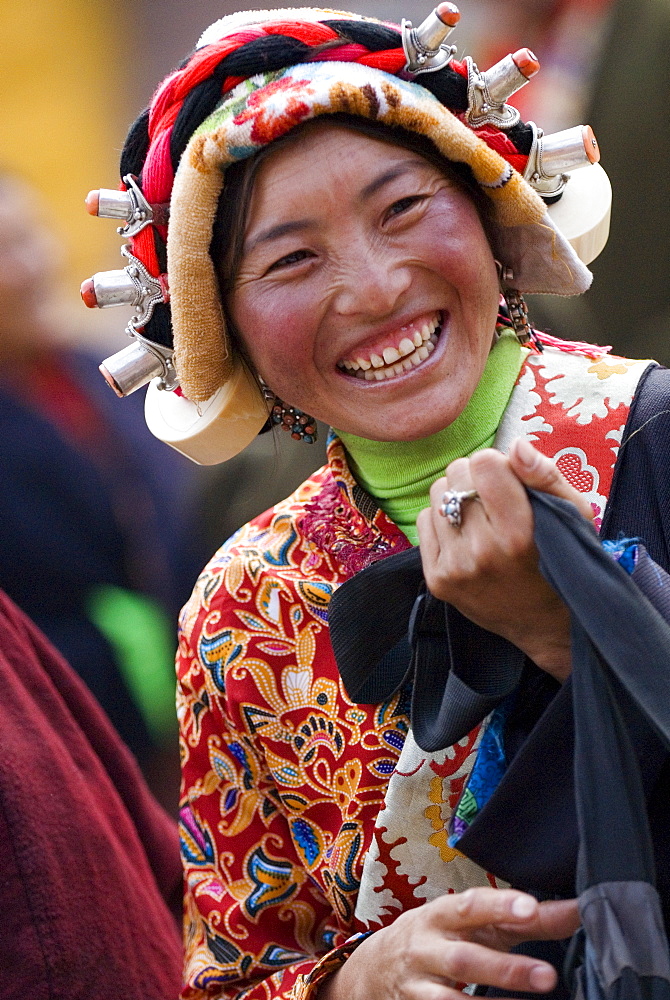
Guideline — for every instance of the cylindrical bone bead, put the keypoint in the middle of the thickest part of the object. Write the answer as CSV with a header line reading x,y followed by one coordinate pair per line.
x,y
109,204
130,369
110,288
566,150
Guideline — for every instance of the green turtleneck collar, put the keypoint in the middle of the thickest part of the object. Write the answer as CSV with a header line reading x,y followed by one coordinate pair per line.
x,y
399,474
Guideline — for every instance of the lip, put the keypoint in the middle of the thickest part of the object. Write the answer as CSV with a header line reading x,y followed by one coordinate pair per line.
x,y
378,375
390,335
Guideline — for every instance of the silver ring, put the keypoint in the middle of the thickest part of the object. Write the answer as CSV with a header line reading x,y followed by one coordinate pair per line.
x,y
451,507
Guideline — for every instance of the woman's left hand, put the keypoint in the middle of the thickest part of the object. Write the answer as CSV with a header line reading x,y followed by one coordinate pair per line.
x,y
488,568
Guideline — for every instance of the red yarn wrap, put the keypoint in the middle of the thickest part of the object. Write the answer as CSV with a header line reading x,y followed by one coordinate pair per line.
x,y
459,66
311,34
349,52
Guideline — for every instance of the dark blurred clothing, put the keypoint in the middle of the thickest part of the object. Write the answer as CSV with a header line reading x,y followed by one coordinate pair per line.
x,y
89,501
90,862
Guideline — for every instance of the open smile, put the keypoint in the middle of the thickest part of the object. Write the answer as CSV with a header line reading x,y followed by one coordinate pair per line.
x,y
409,348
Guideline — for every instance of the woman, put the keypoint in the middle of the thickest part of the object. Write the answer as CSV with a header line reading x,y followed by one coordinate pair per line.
x,y
354,248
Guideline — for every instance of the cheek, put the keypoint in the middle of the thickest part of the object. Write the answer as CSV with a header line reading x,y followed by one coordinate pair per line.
x,y
276,327
468,263
461,250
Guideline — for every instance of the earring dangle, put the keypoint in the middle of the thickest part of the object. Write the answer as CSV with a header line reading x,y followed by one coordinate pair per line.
x,y
300,425
518,314
516,305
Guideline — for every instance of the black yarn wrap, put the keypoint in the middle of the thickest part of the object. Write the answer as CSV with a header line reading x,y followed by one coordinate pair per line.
x,y
264,55
136,146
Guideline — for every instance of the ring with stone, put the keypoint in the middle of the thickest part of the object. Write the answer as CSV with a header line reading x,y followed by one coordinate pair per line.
x,y
451,507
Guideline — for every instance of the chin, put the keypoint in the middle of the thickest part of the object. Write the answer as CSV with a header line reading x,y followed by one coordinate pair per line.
x,y
401,428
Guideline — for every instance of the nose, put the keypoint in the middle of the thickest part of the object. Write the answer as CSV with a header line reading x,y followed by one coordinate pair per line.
x,y
372,282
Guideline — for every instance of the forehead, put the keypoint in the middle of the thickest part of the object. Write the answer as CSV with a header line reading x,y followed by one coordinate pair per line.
x,y
330,157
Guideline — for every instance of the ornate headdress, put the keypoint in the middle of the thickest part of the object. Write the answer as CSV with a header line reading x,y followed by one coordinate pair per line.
x,y
252,78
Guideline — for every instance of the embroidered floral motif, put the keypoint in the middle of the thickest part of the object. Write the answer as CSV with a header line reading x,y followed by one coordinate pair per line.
x,y
275,109
333,526
605,370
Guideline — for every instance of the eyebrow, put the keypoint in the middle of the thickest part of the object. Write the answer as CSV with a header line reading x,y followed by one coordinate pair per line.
x,y
389,175
299,225
276,232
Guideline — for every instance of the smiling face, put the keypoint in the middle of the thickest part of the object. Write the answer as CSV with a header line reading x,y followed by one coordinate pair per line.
x,y
367,293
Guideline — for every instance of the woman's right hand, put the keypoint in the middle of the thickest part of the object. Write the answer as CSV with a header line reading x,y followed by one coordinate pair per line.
x,y
457,938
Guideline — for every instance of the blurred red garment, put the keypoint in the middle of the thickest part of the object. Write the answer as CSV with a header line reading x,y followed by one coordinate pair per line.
x,y
90,862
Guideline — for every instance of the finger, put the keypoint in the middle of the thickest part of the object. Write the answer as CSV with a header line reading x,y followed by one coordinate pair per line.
x,y
429,544
539,472
437,491
478,907
555,919
458,474
469,962
503,498
443,529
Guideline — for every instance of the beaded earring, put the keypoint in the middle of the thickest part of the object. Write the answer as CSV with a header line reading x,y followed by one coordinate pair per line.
x,y
518,314
516,304
300,425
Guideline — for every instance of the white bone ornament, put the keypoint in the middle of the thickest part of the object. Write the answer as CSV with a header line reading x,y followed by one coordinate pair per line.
x,y
583,212
213,431
566,163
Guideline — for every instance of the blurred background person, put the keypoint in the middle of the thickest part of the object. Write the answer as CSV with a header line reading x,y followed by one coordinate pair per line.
x,y
604,62
623,91
94,527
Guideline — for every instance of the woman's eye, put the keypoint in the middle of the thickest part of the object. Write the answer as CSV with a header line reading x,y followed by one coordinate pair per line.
x,y
290,258
403,204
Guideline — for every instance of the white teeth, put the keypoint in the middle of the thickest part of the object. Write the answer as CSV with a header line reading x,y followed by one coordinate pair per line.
x,y
395,361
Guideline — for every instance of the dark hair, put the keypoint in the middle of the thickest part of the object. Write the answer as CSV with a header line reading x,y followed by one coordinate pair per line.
x,y
233,208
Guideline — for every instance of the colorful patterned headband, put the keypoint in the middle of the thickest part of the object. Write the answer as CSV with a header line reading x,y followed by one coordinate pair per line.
x,y
217,109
